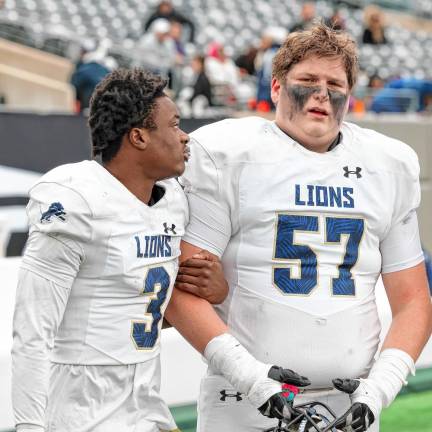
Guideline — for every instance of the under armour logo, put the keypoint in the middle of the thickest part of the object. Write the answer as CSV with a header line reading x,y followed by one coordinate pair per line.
x,y
225,395
167,228
356,172
56,210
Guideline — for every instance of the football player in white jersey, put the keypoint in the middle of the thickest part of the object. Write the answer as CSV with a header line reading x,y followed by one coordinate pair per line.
x,y
99,268
306,213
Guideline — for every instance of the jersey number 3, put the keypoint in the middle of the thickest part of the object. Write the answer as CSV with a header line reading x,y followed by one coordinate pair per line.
x,y
286,248
146,333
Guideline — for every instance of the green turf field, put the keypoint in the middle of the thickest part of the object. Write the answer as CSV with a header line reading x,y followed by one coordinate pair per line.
x,y
409,413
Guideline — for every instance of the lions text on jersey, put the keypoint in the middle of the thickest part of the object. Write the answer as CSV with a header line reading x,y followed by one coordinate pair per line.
x,y
303,238
102,265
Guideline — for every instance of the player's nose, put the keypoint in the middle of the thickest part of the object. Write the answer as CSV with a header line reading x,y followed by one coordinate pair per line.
x,y
184,137
321,93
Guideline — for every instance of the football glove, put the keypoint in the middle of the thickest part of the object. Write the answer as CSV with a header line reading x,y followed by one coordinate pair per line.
x,y
369,396
280,405
359,416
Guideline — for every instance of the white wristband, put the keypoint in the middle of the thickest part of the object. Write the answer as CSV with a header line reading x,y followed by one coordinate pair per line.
x,y
246,374
385,380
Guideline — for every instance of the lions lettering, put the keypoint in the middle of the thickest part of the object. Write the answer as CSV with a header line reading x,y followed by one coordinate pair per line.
x,y
324,196
153,246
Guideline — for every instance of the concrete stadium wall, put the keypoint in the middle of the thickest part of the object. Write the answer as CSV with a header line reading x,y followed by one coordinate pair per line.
x,y
41,142
27,91
416,131
34,80
35,61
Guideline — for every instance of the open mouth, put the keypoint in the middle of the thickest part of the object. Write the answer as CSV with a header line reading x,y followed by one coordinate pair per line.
x,y
320,112
186,153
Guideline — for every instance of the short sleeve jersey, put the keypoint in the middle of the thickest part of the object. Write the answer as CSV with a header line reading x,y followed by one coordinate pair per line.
x,y
128,254
303,237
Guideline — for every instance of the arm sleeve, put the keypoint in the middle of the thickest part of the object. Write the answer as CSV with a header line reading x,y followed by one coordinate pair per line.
x,y
210,223
39,307
401,247
59,221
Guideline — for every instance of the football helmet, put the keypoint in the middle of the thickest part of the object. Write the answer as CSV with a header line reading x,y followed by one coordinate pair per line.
x,y
308,417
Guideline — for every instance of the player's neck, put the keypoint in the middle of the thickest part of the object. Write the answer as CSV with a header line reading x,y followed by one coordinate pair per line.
x,y
132,178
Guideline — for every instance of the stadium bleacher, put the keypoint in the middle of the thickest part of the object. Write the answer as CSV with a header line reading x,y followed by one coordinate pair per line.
x,y
59,26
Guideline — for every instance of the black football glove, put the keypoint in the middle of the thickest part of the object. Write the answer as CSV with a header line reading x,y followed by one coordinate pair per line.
x,y
279,405
358,417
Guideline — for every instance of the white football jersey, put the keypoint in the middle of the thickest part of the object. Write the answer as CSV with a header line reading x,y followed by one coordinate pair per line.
x,y
303,238
128,260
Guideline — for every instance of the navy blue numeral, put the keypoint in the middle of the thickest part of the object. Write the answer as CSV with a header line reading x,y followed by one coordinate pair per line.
x,y
157,279
344,284
287,249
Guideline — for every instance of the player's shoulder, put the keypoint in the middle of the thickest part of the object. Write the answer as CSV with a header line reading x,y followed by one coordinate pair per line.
x,y
66,183
231,139
59,203
382,151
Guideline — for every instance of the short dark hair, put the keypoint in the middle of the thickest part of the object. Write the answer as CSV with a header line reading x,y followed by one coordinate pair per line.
x,y
124,99
319,40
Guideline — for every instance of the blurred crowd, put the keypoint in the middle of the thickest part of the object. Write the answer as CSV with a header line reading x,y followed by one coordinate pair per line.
x,y
204,82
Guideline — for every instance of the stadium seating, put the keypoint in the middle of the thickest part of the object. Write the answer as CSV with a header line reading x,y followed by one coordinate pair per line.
x,y
58,26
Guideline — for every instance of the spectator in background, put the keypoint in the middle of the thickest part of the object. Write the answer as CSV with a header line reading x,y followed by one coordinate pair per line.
x,y
336,21
271,39
201,86
176,34
156,50
246,61
220,68
307,18
375,82
392,97
374,31
90,69
166,10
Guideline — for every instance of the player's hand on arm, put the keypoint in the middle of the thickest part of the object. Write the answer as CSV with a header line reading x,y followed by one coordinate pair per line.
x,y
202,275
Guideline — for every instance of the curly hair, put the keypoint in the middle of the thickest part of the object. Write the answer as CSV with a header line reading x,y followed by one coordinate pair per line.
x,y
321,41
124,99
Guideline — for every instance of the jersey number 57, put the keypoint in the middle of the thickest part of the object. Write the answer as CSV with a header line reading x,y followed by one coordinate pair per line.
x,y
287,248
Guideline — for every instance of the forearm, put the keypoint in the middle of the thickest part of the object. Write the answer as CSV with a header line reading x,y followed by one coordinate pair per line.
x,y
38,311
194,318
410,328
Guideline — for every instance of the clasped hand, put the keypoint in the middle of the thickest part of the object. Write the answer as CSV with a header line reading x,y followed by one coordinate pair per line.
x,y
202,275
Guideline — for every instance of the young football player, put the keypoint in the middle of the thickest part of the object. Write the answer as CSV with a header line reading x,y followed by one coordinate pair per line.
x,y
306,212
99,268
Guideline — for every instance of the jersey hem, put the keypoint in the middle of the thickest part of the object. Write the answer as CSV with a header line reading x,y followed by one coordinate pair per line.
x,y
198,243
404,265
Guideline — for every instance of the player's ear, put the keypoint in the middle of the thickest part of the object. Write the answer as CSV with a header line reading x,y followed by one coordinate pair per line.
x,y
275,90
139,138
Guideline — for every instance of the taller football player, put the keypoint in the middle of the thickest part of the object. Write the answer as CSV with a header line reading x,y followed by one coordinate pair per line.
x,y
99,269
306,212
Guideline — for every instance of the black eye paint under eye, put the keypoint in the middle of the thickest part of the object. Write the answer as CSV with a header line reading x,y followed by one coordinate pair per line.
x,y
338,102
299,95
